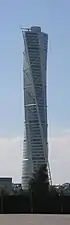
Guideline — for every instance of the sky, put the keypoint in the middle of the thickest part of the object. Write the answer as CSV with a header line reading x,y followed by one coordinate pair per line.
x,y
54,19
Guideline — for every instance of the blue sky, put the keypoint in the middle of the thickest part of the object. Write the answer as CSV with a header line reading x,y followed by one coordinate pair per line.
x,y
54,18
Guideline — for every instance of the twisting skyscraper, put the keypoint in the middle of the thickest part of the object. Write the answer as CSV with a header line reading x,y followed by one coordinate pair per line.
x,y
35,149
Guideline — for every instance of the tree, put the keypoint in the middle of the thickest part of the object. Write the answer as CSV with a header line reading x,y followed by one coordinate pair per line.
x,y
39,183
53,191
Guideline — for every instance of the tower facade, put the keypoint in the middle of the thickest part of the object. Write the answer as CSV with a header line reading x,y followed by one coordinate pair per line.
x,y
35,147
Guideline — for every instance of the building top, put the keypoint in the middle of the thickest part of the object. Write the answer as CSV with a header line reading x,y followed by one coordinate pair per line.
x,y
5,179
36,29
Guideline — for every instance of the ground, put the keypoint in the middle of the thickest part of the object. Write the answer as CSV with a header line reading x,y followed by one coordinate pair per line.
x,y
34,219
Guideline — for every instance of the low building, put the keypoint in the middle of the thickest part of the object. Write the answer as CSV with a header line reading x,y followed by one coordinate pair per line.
x,y
6,183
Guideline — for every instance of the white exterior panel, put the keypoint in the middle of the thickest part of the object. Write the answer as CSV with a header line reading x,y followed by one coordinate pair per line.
x,y
35,152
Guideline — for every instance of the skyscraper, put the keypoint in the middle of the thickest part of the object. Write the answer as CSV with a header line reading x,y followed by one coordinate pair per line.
x,y
35,147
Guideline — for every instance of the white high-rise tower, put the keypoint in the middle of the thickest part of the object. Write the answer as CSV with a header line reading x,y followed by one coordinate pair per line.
x,y
35,149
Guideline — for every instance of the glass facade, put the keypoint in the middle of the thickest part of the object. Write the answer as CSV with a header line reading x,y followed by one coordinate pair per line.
x,y
35,149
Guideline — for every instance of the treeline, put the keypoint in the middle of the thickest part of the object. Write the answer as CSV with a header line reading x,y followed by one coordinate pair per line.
x,y
40,198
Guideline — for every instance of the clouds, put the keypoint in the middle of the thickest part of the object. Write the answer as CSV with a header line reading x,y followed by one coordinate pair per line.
x,y
59,157
11,157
